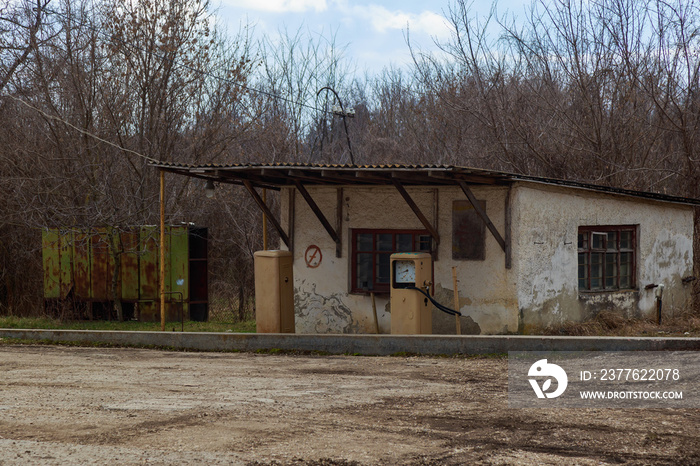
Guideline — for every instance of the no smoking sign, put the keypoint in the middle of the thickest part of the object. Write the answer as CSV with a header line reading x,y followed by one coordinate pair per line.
x,y
313,256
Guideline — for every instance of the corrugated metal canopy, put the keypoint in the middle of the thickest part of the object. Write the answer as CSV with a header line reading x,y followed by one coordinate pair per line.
x,y
277,175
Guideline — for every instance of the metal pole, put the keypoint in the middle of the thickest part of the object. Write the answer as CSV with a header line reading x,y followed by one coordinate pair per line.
x,y
347,136
264,226
342,114
162,250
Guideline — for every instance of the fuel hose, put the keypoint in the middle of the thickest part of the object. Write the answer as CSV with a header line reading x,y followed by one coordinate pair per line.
x,y
439,306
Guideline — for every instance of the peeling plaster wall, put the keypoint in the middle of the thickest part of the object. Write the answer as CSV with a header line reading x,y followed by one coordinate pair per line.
x,y
486,288
539,290
545,233
323,303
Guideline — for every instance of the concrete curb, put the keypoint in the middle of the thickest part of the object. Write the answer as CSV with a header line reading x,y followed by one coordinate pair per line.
x,y
359,344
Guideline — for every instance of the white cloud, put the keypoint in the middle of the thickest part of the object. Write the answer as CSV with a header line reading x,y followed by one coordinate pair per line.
x,y
383,19
279,6
432,23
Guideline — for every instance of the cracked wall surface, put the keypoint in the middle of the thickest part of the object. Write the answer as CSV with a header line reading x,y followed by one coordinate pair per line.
x,y
539,290
322,298
546,225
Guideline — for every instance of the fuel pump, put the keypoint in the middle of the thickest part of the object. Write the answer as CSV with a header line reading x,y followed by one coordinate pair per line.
x,y
411,279
410,312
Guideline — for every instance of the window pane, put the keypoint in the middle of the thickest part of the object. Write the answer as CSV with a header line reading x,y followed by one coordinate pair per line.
x,y
383,268
611,270
626,262
625,240
404,242
364,271
371,253
625,282
365,242
612,241
385,242
583,271
583,240
626,270
610,264
596,270
598,240
425,243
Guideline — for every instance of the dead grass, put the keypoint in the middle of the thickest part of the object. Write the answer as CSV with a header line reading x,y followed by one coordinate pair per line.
x,y
608,323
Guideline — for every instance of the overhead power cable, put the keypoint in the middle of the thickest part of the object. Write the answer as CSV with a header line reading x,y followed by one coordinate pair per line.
x,y
111,39
80,130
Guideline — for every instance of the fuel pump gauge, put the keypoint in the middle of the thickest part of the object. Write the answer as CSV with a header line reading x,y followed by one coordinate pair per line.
x,y
405,272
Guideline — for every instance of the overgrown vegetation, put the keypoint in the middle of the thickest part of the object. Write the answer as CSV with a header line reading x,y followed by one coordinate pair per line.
x,y
606,92
609,323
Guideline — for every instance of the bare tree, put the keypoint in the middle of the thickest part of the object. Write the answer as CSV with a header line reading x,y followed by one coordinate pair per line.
x,y
598,91
118,85
20,32
295,68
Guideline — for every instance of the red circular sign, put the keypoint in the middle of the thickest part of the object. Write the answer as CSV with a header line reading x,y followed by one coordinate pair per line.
x,y
313,256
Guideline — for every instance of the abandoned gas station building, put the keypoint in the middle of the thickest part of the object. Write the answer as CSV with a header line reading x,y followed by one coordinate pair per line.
x,y
528,251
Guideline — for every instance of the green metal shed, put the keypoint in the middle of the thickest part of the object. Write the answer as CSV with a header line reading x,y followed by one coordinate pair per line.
x,y
85,268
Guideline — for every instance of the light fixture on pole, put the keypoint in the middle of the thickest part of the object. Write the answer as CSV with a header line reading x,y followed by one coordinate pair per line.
x,y
209,189
342,113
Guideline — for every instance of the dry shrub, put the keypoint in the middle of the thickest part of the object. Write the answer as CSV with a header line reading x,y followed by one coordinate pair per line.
x,y
604,323
610,320
608,323
573,329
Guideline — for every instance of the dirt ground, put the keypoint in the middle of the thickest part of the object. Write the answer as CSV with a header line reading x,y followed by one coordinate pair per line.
x,y
64,405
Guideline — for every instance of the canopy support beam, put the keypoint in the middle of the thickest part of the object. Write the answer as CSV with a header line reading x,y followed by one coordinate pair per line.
x,y
416,210
485,218
266,210
321,218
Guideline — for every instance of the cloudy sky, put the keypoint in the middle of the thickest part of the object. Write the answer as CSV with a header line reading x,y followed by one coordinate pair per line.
x,y
373,30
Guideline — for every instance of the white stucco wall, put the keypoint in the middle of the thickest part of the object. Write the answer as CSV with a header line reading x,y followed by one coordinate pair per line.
x,y
545,232
323,302
539,290
486,288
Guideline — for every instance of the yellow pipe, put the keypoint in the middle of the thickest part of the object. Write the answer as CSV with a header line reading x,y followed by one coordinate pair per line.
x,y
162,250
264,225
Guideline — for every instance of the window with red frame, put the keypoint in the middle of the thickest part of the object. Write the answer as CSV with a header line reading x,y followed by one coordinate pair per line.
x,y
607,257
371,252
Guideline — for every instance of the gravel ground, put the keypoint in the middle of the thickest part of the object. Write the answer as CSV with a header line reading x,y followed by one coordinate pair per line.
x,y
64,405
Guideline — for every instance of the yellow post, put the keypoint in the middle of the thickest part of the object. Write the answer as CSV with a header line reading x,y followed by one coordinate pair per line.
x,y
264,226
162,250
374,312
